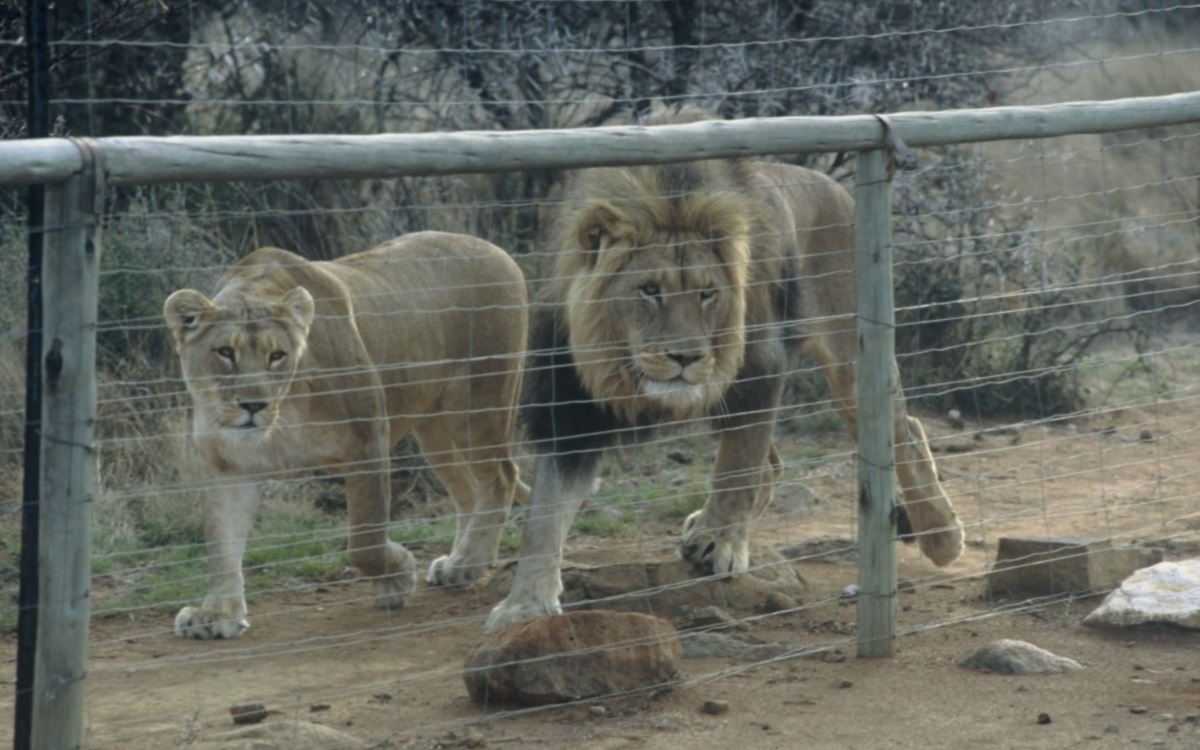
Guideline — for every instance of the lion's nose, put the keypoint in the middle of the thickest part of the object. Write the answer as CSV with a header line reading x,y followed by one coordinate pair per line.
x,y
683,359
253,407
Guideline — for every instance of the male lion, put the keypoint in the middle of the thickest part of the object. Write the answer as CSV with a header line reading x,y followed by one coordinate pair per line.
x,y
296,365
678,293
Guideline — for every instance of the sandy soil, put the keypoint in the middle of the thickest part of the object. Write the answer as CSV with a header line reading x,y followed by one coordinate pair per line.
x,y
325,655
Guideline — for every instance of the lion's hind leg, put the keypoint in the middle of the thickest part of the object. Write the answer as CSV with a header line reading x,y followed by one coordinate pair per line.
x,y
934,522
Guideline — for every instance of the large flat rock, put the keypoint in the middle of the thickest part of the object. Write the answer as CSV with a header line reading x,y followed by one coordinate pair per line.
x,y
661,587
1165,593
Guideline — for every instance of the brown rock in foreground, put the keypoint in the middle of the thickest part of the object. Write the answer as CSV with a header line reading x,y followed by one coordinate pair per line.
x,y
573,656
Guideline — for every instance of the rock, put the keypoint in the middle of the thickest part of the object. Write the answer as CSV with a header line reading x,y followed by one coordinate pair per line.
x,y
779,602
1055,566
655,587
711,646
1168,593
712,618
715,708
573,656
248,713
289,735
826,549
1017,657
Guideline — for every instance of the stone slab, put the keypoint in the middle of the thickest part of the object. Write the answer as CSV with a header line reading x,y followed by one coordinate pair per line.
x,y
1045,566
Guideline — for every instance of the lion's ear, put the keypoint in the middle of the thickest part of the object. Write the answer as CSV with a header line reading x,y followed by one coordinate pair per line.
x,y
597,224
184,311
299,303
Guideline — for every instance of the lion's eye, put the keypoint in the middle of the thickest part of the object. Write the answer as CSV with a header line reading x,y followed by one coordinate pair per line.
x,y
650,289
276,357
708,295
226,353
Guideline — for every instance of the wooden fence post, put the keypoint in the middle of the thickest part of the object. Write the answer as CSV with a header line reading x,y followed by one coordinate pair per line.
x,y
876,386
71,262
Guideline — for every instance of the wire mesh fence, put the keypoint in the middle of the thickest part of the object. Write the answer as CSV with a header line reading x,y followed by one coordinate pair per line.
x,y
1045,333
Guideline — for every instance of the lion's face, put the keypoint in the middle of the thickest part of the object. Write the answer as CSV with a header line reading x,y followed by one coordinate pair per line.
x,y
656,308
239,359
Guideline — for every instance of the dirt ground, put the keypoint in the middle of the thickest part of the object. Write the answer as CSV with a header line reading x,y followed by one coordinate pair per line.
x,y
325,655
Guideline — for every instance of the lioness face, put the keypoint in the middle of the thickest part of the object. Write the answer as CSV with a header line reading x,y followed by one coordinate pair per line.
x,y
238,360
670,310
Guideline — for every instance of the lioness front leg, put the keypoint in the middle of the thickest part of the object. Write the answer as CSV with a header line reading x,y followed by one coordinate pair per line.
x,y
228,517
716,538
560,485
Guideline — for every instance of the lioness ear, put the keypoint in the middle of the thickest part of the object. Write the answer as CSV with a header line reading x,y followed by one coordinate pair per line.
x,y
300,303
184,311
597,224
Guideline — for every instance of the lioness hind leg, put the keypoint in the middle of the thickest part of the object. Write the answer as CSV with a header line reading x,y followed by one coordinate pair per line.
x,y
483,483
228,518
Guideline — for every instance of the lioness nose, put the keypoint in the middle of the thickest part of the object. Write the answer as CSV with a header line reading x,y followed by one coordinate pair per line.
x,y
253,407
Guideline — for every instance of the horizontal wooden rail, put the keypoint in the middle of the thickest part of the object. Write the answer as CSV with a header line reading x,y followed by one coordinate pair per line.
x,y
146,160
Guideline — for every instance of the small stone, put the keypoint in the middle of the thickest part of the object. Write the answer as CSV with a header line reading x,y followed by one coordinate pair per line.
x,y
597,712
779,602
843,684
1007,656
712,617
248,713
715,708
322,706
1044,718
1137,709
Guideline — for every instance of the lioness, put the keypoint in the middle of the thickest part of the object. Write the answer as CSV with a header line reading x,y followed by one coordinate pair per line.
x,y
678,293
296,365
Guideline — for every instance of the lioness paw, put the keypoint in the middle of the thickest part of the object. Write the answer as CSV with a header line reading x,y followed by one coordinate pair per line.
x,y
206,625
392,589
446,571
716,551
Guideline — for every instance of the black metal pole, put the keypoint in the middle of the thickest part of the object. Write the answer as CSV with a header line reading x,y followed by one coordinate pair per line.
x,y
38,58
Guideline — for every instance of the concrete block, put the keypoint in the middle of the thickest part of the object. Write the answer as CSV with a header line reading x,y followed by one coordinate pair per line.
x,y
1056,566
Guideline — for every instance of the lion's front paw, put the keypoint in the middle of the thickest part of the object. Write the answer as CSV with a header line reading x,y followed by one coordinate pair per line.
x,y
721,551
510,613
208,625
447,571
942,546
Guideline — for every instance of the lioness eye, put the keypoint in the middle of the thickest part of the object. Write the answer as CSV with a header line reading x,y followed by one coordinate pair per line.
x,y
707,295
276,356
225,352
650,289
